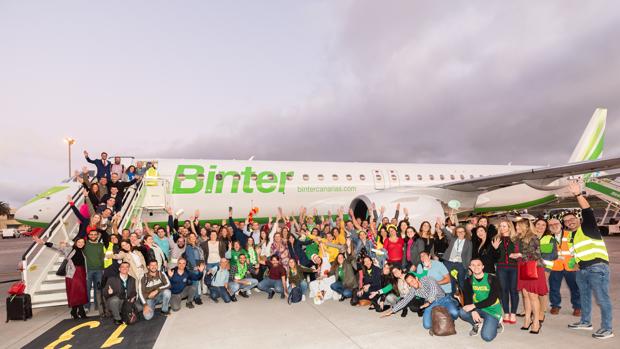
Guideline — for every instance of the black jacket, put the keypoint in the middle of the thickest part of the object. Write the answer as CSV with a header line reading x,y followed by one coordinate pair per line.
x,y
117,290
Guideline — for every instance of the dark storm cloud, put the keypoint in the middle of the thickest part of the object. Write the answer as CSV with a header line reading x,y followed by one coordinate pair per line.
x,y
479,82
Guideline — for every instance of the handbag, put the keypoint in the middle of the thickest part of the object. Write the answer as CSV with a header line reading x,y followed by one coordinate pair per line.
x,y
17,288
62,269
528,270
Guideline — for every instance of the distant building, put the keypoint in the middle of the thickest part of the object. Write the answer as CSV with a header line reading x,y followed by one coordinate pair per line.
x,y
10,222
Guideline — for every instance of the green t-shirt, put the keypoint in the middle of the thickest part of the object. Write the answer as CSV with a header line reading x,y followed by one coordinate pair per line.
x,y
481,291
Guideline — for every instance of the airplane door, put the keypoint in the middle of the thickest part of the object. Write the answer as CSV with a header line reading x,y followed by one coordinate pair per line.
x,y
379,179
393,179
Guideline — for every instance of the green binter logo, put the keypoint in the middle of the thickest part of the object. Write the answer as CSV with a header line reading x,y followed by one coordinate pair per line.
x,y
191,179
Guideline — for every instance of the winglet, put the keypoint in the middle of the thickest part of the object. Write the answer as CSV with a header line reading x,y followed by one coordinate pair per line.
x,y
590,146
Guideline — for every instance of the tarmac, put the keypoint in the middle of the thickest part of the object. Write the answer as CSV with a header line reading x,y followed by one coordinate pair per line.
x,y
261,323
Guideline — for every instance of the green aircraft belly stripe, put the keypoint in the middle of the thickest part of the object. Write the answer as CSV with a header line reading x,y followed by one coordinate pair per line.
x,y
603,189
261,220
519,206
47,193
33,224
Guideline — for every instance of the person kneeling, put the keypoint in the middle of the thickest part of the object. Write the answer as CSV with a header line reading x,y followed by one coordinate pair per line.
x,y
428,289
119,290
241,280
155,289
181,284
481,298
217,278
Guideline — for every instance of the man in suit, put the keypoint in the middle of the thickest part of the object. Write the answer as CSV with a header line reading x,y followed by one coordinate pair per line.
x,y
103,165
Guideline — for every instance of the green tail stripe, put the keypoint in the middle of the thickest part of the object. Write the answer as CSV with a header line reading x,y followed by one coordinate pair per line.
x,y
592,145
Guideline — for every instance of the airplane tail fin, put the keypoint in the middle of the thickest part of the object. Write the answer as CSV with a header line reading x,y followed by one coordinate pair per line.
x,y
590,145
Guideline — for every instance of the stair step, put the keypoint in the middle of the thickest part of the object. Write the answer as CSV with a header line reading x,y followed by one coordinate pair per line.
x,y
53,277
55,286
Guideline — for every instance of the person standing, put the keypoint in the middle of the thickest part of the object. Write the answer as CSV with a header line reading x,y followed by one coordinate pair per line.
x,y
563,268
531,287
593,260
75,277
103,165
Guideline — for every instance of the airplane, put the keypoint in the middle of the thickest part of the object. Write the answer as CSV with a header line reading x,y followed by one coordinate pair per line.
x,y
428,191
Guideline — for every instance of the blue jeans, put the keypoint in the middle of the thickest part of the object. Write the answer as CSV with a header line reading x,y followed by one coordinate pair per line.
x,y
216,292
303,285
510,296
447,302
489,326
92,279
461,275
235,286
339,287
163,297
555,283
268,284
595,278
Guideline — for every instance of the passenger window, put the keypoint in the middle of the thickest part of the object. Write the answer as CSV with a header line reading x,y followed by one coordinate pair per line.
x,y
452,177
335,177
349,177
237,176
253,176
362,177
289,177
218,176
431,177
321,177
442,177
306,177
419,177
407,177
462,177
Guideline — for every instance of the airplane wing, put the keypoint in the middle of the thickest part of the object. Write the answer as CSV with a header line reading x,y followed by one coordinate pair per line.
x,y
545,174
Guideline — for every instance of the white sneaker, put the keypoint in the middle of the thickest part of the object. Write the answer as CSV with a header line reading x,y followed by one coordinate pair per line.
x,y
303,298
257,290
248,292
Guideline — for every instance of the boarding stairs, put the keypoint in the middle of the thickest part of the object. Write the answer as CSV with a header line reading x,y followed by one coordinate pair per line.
x,y
39,263
607,190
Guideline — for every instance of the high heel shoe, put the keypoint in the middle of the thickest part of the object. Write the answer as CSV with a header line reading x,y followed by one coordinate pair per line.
x,y
539,328
74,314
523,328
542,320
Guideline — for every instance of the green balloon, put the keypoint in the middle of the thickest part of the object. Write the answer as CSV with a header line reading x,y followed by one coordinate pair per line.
x,y
454,204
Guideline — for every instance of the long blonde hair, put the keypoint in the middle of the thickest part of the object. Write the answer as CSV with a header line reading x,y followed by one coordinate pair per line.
x,y
527,231
512,233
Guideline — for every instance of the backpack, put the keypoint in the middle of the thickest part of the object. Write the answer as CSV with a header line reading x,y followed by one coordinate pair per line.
x,y
443,324
128,313
295,295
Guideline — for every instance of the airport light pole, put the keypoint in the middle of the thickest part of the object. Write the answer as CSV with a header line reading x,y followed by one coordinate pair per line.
x,y
70,141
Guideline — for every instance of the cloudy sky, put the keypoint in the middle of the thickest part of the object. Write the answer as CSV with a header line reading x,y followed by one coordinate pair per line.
x,y
385,81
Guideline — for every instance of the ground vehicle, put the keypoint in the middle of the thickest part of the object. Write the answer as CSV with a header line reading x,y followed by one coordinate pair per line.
x,y
10,233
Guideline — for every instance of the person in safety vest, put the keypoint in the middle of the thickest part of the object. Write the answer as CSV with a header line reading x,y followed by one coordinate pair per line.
x,y
151,175
593,261
563,267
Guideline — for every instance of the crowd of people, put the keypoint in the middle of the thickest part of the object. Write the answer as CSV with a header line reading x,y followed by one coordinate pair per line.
x,y
477,271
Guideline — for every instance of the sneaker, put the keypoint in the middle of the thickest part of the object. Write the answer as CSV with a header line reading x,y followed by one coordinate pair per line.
x,y
577,312
233,298
554,310
243,294
474,330
282,295
198,301
271,294
500,327
580,326
603,334
248,292
303,297
164,313
118,322
190,305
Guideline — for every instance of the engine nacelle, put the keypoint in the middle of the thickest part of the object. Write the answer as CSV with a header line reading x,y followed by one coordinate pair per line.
x,y
421,207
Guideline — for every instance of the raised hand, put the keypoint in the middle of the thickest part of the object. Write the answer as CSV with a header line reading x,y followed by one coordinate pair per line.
x,y
496,241
398,206
197,213
382,210
406,210
85,153
574,187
